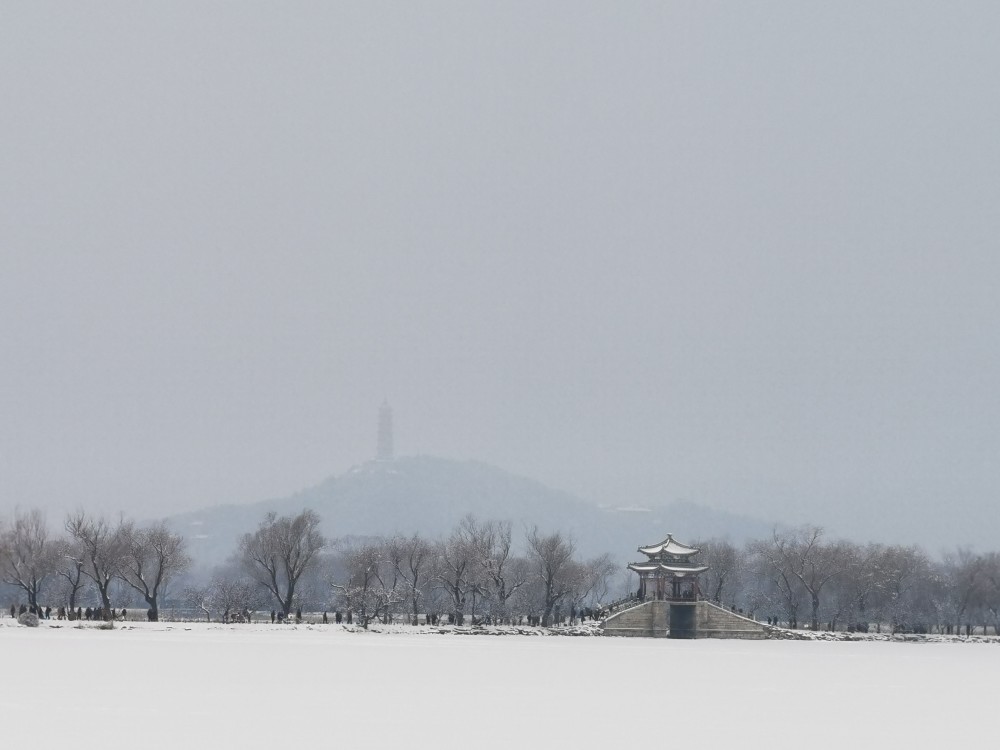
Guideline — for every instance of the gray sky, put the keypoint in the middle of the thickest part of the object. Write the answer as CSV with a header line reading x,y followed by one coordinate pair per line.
x,y
744,254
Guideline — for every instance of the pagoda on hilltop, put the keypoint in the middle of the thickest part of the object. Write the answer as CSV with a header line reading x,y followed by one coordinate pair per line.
x,y
668,573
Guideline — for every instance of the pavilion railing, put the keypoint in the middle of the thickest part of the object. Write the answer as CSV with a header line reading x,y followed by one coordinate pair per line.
x,y
626,602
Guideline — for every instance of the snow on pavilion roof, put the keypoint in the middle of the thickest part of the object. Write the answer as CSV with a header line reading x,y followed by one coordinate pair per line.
x,y
677,570
669,546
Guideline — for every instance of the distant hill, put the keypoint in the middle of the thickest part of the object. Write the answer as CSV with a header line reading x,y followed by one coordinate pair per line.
x,y
430,495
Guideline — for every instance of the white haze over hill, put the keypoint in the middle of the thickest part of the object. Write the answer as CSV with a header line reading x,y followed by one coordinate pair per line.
x,y
430,496
741,254
271,686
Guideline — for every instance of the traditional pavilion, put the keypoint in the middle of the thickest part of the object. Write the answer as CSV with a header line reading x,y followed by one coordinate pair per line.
x,y
668,574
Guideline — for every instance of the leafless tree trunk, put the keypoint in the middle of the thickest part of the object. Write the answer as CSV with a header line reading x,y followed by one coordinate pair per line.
x,y
901,569
552,556
70,570
366,590
504,573
802,555
593,584
865,581
773,566
964,570
991,589
233,594
102,547
277,554
27,555
151,557
412,560
724,563
455,557
198,597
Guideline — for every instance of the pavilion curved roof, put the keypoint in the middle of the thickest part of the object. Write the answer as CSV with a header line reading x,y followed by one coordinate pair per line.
x,y
669,546
678,569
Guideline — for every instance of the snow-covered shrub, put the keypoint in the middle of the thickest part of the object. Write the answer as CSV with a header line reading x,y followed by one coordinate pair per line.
x,y
29,619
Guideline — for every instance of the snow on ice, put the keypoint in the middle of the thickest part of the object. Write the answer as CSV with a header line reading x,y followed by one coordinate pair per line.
x,y
171,685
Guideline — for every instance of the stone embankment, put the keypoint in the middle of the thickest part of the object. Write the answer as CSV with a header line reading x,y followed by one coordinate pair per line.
x,y
823,635
588,628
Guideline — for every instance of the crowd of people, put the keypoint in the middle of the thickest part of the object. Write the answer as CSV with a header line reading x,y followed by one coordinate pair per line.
x,y
574,616
64,613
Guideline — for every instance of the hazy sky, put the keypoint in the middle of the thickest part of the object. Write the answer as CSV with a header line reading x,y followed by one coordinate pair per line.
x,y
745,254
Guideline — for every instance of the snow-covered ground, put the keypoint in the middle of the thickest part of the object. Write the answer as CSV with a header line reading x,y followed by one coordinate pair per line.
x,y
197,685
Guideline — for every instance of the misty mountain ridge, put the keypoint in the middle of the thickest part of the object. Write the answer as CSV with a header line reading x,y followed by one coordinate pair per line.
x,y
429,495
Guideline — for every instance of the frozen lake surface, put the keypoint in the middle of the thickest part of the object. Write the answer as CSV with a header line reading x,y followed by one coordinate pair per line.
x,y
208,686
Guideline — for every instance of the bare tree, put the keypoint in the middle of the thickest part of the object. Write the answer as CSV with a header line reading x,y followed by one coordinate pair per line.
x,y
901,571
801,555
589,582
27,556
199,597
366,589
234,594
150,557
840,596
453,566
724,562
280,551
964,571
781,587
229,590
101,548
991,589
69,569
413,557
597,574
759,592
504,573
864,582
552,557
394,578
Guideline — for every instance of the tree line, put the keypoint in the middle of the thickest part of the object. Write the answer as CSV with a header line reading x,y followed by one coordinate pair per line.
x,y
484,572
799,577
474,573
287,564
90,560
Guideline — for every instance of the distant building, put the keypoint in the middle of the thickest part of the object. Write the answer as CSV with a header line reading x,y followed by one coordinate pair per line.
x,y
384,451
667,604
668,572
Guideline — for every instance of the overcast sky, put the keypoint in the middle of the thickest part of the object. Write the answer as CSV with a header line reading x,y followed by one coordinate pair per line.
x,y
744,254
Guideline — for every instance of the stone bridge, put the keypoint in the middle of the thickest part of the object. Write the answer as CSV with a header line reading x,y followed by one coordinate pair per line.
x,y
700,619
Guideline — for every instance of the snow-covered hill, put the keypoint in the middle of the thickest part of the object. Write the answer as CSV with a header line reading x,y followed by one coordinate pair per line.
x,y
430,495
